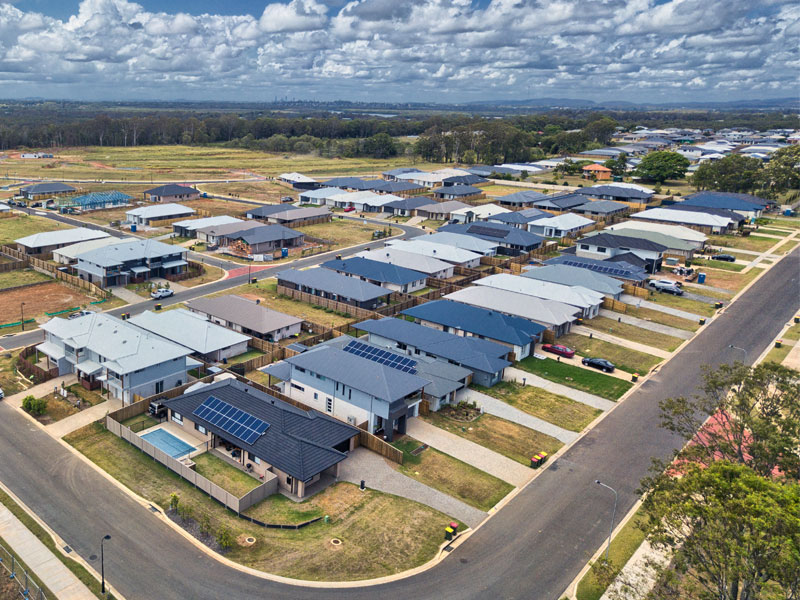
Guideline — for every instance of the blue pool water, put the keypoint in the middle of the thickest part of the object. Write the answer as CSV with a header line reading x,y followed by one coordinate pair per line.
x,y
165,441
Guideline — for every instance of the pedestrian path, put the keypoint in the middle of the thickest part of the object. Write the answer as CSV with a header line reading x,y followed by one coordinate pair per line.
x,y
645,324
638,302
379,475
501,409
471,453
607,337
127,295
74,422
792,359
520,376
40,560
413,221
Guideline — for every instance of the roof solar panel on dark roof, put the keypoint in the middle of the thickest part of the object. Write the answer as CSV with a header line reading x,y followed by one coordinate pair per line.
x,y
384,357
232,420
490,231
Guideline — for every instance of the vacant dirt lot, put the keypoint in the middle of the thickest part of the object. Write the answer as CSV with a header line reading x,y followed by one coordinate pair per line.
x,y
48,297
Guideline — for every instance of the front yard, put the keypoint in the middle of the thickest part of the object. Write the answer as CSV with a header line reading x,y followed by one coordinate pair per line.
x,y
649,314
634,333
696,307
342,233
450,475
598,384
701,263
729,280
381,534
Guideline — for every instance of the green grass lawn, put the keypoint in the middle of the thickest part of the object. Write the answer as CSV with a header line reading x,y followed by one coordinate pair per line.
x,y
509,439
553,408
696,307
751,242
598,384
228,477
19,277
23,225
10,382
731,281
381,534
431,224
778,355
139,423
787,246
210,273
450,475
777,232
634,334
793,333
251,353
90,397
625,359
341,232
649,314
718,264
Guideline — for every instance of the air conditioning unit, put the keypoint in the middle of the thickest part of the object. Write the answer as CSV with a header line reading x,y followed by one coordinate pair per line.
x,y
351,420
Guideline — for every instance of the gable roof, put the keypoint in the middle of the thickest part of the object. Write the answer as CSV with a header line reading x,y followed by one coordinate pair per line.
x,y
171,189
188,329
153,211
297,442
443,252
459,240
621,270
612,240
334,283
569,275
375,270
568,294
496,232
539,310
244,312
266,233
61,236
416,262
677,231
271,209
615,191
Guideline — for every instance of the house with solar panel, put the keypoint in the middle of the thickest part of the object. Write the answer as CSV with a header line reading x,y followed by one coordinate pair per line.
x,y
266,436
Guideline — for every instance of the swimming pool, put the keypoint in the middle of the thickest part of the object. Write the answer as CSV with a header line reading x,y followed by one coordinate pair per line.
x,y
165,441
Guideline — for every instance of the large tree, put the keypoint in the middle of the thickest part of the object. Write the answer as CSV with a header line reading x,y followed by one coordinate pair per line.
x,y
734,173
663,165
783,171
617,165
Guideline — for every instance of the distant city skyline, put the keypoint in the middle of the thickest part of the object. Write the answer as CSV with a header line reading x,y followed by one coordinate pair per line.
x,y
446,51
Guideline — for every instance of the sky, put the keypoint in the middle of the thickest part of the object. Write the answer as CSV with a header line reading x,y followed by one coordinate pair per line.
x,y
445,51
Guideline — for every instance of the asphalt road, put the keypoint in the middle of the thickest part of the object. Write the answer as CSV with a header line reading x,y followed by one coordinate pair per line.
x,y
531,549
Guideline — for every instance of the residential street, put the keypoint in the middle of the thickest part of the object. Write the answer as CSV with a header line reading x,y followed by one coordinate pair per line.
x,y
532,548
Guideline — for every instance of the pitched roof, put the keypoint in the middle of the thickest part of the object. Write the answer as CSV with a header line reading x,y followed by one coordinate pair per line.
x,y
297,442
478,321
483,211
470,179
171,189
561,201
619,270
230,228
296,178
380,185
521,217
195,224
564,221
496,232
443,207
408,203
523,197
266,233
546,312
573,295
46,188
268,210
374,270
597,168
612,240
569,275
61,236
602,207
416,262
153,211
614,190
682,216
443,252
323,192
676,231
356,183
334,283
458,190
244,312
467,242
188,329
73,250
401,171
725,200
671,242
133,249
296,212
719,212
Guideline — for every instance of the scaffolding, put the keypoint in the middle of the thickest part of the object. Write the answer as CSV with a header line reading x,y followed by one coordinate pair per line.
x,y
96,201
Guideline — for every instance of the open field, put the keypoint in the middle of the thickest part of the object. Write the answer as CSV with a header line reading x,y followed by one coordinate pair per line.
x,y
625,359
218,206
381,534
496,190
633,333
755,243
24,225
450,475
224,475
553,408
259,191
21,277
605,386
47,297
509,439
341,232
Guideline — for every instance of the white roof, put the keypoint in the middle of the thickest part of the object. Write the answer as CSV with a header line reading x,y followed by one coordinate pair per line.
x,y
73,250
677,231
563,221
443,252
573,295
195,224
546,312
189,329
682,216
366,197
60,237
125,347
633,186
529,167
160,210
131,249
416,262
325,192
4,207
484,211
297,178
432,177
459,240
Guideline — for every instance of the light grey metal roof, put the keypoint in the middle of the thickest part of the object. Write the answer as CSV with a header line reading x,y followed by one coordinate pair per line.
x,y
188,329
160,210
132,250
568,275
61,237
195,224
334,283
546,312
244,312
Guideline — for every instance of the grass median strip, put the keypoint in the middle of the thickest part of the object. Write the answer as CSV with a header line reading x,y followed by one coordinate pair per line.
x,y
450,475
634,334
598,384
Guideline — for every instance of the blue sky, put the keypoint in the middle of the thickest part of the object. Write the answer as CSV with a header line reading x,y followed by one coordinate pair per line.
x,y
400,50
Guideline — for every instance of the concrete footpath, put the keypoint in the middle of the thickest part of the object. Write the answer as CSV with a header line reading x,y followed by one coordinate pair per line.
x,y
518,375
89,415
40,560
607,337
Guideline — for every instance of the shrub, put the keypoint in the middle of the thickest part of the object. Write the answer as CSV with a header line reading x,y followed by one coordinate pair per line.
x,y
205,523
185,511
35,406
174,500
224,537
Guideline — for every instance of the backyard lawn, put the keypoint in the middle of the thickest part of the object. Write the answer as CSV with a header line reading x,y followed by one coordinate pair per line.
x,y
342,233
598,384
649,314
23,225
553,408
509,439
251,353
381,534
625,359
226,476
450,475
21,277
634,334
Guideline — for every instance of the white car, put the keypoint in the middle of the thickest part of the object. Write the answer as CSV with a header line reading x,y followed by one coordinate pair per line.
x,y
161,293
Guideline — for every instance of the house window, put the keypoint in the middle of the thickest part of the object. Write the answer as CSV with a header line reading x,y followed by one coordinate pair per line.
x,y
584,246
301,369
601,249
200,428
252,457
298,387
329,405
177,417
159,387
349,394
316,396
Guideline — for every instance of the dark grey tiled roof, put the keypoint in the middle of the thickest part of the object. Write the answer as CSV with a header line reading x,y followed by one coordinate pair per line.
x,y
375,270
171,189
334,283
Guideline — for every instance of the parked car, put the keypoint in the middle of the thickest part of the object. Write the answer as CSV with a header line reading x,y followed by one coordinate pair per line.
x,y
599,363
80,313
559,349
725,257
350,209
658,282
669,287
161,293
2,394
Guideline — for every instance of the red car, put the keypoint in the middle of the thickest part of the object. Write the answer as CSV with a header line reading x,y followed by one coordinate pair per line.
x,y
560,350
350,209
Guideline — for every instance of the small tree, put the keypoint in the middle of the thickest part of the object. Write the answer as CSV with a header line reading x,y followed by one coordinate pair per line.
x,y
174,500
224,537
35,406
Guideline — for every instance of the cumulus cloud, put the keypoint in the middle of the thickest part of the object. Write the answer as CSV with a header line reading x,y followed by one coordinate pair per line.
x,y
408,50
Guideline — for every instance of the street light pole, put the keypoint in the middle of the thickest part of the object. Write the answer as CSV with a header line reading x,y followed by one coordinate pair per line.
x,y
102,565
613,513
742,350
22,315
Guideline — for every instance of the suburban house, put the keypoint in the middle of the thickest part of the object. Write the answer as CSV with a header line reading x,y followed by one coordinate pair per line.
x,y
691,236
68,255
457,192
246,316
617,193
625,272
123,359
605,245
365,201
145,214
478,213
746,205
218,234
601,208
588,301
560,225
404,189
575,276
559,203
430,179
298,181
469,179
391,277
487,360
493,171
520,218
431,267
295,217
206,340
675,246
523,199
4,208
466,242
512,241
598,172
391,174
449,254
131,262
266,239
705,222
317,196
351,184
440,211
302,449
329,284
171,192
518,334
36,191
266,210
736,218
405,207
189,227
95,201
355,385
48,241
554,315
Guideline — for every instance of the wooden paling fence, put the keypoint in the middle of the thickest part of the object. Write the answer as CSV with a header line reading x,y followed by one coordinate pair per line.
x,y
52,270
615,305
635,290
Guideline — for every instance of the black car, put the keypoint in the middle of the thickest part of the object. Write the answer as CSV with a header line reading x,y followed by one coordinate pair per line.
x,y
725,257
599,363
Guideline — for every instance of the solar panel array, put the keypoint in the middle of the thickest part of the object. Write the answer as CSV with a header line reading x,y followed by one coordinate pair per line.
x,y
384,357
490,231
608,270
228,418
